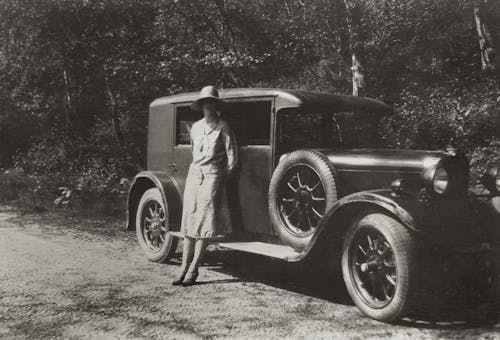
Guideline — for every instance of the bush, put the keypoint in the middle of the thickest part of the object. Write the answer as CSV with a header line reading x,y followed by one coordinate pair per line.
x,y
448,114
26,190
67,174
482,157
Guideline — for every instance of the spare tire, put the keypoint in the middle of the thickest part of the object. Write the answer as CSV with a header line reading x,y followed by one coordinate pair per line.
x,y
303,188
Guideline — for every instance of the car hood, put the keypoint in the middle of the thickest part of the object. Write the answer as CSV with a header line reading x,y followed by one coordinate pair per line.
x,y
384,159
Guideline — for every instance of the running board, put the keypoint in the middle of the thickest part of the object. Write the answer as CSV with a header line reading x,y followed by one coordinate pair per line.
x,y
179,234
176,234
277,251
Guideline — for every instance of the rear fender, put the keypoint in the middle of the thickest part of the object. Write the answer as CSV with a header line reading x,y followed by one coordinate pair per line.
x,y
169,192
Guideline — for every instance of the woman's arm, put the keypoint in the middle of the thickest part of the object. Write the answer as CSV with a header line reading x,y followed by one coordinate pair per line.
x,y
231,148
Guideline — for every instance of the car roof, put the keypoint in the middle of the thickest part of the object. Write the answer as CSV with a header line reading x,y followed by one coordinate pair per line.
x,y
317,101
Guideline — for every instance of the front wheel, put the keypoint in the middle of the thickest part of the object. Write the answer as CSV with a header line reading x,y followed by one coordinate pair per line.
x,y
152,228
378,266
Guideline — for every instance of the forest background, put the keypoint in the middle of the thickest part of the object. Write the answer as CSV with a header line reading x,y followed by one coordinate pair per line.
x,y
77,76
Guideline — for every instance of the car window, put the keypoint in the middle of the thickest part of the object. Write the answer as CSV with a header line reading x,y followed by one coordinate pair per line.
x,y
358,132
250,121
325,130
307,130
185,118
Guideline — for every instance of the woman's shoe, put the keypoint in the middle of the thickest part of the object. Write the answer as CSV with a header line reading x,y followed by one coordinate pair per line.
x,y
190,279
179,279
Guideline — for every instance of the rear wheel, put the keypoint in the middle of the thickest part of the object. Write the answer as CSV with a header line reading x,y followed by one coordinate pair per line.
x,y
152,228
378,265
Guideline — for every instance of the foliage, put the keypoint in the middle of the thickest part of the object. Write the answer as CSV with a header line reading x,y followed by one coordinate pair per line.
x,y
77,77
484,156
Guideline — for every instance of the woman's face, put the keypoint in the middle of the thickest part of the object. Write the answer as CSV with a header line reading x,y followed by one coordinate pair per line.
x,y
209,108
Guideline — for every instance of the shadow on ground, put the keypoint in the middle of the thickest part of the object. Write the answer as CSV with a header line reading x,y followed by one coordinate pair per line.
x,y
311,280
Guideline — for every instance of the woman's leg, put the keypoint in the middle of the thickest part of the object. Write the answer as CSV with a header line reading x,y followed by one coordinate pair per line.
x,y
187,253
187,257
199,250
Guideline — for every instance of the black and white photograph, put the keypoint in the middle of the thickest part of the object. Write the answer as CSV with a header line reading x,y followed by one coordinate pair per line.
x,y
249,169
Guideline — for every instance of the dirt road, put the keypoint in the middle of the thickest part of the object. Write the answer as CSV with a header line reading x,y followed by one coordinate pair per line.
x,y
64,277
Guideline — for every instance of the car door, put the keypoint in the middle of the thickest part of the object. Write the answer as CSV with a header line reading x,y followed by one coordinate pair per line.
x,y
250,119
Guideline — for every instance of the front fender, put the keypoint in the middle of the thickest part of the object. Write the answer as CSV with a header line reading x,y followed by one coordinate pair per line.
x,y
170,194
400,206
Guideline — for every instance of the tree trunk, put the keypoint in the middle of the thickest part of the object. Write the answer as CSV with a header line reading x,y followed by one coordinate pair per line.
x,y
358,78
487,19
68,102
354,14
114,112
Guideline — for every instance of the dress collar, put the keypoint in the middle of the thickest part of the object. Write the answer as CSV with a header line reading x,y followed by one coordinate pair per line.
x,y
207,129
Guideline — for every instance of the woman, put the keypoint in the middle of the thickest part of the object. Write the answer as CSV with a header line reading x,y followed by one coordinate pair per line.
x,y
205,213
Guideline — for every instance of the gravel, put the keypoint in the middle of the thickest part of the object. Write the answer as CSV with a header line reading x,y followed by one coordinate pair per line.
x,y
85,278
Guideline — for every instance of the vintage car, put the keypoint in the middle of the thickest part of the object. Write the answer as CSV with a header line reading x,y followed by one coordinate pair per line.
x,y
309,185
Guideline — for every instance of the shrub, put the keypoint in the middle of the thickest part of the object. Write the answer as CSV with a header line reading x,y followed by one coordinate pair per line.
x,y
482,157
448,114
67,174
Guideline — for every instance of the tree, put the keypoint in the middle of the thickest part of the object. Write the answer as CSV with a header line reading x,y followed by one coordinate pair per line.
x,y
354,10
487,19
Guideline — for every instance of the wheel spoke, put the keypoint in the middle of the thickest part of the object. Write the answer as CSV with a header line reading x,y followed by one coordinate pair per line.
x,y
151,212
390,279
309,221
362,250
299,180
389,264
146,236
292,187
291,213
311,189
385,252
317,213
318,199
287,200
370,242
384,290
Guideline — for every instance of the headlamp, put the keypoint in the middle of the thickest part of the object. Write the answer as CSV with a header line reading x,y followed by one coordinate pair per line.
x,y
491,179
440,180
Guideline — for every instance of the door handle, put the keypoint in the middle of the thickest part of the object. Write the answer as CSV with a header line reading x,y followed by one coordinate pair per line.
x,y
172,165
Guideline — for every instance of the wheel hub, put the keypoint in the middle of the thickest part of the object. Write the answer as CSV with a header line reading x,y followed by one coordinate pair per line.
x,y
302,198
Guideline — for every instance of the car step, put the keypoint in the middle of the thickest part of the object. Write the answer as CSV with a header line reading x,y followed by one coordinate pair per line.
x,y
181,235
277,251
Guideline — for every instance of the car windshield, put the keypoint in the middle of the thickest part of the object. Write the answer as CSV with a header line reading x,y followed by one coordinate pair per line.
x,y
325,130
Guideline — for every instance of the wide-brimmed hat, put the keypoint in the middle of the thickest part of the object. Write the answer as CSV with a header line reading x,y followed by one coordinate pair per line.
x,y
208,92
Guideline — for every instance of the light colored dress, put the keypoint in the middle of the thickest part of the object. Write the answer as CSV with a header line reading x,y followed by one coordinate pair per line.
x,y
205,212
